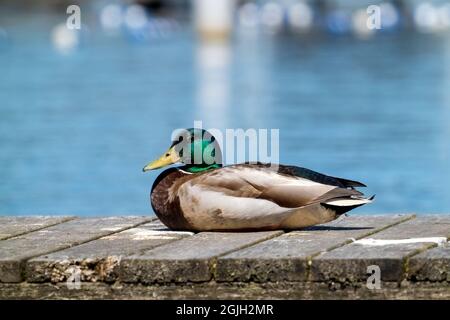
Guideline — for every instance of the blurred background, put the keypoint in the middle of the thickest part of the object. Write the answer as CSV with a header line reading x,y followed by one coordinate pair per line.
x,y
83,110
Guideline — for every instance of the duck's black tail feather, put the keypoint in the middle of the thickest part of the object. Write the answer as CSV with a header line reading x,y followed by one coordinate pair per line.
x,y
350,183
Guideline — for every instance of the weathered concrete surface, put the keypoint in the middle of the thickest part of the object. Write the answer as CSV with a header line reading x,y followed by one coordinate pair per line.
x,y
132,257
349,263
15,251
431,265
98,260
190,259
15,226
287,258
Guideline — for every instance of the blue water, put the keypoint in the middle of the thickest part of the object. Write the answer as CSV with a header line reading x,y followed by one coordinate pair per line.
x,y
76,129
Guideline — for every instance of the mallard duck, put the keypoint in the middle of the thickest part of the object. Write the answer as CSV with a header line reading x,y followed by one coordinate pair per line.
x,y
203,195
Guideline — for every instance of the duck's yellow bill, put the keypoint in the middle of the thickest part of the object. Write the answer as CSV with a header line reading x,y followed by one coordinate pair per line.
x,y
168,158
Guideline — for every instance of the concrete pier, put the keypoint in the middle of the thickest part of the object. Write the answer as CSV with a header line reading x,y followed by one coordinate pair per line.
x,y
138,257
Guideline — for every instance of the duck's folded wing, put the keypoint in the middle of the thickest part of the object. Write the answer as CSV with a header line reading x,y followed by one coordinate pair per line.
x,y
308,174
242,182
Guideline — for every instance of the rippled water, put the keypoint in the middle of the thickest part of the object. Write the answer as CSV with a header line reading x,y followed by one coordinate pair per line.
x,y
76,129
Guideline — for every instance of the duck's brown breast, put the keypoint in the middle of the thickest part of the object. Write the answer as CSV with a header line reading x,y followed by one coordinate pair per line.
x,y
164,199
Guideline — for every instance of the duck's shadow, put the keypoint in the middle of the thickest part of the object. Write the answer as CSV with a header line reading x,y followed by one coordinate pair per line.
x,y
329,228
313,228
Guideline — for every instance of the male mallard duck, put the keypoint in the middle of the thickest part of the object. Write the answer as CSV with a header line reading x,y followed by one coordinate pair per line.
x,y
203,195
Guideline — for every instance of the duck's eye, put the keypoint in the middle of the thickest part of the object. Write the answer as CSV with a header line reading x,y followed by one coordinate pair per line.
x,y
167,154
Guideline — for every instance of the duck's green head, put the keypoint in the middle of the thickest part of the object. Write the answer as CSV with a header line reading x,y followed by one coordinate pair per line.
x,y
196,148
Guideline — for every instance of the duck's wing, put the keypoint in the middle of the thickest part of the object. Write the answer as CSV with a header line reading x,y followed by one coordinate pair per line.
x,y
341,198
255,181
243,192
306,174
